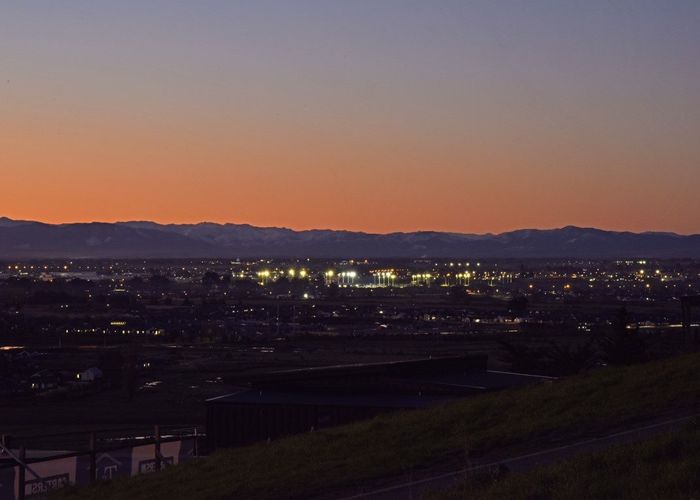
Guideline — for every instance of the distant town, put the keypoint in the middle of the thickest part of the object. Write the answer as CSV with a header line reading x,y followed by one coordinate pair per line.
x,y
267,304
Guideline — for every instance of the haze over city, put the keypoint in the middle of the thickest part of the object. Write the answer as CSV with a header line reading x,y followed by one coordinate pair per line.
x,y
364,115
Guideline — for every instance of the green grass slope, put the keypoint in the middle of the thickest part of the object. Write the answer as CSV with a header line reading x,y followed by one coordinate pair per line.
x,y
665,468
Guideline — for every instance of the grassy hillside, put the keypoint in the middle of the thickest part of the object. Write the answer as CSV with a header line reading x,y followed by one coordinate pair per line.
x,y
664,468
348,456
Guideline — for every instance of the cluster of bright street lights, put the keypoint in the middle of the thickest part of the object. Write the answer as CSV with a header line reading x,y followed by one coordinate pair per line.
x,y
421,278
293,273
384,278
464,278
347,277
263,276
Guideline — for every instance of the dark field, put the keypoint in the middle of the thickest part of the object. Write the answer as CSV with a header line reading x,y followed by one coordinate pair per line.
x,y
172,389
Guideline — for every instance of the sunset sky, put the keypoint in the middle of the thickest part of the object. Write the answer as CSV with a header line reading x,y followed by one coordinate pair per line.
x,y
375,115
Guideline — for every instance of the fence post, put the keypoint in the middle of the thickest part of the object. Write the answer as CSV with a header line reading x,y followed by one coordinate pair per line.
x,y
158,455
93,457
196,443
22,473
5,441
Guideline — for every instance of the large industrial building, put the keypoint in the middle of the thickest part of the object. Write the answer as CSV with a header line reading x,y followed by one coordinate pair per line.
x,y
295,401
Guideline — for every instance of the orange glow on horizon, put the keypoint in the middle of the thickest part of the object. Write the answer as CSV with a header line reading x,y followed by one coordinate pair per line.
x,y
303,182
81,172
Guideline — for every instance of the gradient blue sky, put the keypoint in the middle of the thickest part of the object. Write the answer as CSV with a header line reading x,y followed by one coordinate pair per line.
x,y
375,115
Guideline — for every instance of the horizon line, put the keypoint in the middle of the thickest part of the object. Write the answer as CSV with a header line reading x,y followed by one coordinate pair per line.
x,y
489,233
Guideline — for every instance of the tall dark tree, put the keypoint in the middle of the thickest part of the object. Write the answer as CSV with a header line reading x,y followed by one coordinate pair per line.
x,y
210,279
563,360
623,346
522,358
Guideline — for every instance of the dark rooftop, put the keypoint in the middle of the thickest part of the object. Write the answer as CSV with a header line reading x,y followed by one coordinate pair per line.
x,y
256,397
485,381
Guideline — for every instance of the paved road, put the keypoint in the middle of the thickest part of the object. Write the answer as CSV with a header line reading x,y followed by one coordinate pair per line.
x,y
414,489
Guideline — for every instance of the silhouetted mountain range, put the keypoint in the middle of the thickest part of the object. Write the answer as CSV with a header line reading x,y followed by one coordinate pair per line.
x,y
29,239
